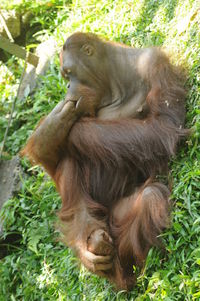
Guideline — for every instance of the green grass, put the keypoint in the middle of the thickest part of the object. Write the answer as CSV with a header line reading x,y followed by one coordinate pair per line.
x,y
41,268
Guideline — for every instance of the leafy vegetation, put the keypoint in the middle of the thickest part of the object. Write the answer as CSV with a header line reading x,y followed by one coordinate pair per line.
x,y
41,268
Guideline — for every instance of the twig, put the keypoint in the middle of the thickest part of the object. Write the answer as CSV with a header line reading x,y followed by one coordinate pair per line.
x,y
13,106
6,27
18,51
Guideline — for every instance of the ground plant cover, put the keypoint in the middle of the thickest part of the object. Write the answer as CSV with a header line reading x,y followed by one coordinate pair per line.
x,y
38,266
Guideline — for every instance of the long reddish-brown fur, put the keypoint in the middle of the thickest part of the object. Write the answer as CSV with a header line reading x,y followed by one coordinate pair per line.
x,y
107,168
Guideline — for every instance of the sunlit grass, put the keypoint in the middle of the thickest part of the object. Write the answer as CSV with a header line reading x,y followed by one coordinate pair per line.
x,y
41,268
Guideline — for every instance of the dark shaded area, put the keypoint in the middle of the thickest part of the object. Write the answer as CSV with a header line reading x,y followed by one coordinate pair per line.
x,y
33,20
9,244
